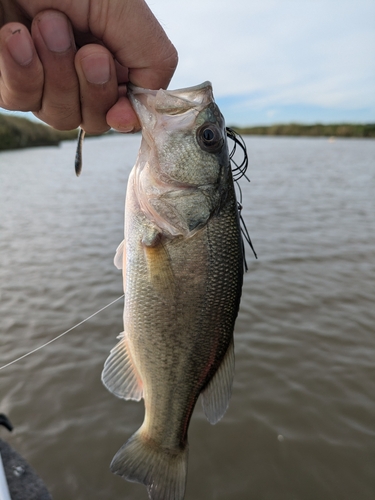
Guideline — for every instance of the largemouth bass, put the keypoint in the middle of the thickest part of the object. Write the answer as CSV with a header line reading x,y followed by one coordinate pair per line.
x,y
182,268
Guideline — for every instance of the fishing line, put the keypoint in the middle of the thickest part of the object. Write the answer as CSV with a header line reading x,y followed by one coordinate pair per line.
x,y
61,334
239,171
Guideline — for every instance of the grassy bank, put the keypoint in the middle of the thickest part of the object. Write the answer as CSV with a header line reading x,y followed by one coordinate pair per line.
x,y
317,130
18,133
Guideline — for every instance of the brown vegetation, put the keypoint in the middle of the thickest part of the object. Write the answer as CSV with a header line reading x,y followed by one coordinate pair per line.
x,y
18,132
317,130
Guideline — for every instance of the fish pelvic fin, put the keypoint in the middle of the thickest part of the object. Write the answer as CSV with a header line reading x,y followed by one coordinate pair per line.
x,y
163,471
216,396
120,376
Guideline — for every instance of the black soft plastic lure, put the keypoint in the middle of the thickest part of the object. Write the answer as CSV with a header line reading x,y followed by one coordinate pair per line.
x,y
78,159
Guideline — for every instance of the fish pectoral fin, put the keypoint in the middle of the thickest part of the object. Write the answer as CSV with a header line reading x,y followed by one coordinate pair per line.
x,y
216,396
160,271
120,254
120,376
159,266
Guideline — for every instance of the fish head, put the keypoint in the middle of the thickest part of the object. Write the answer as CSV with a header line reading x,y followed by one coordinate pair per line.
x,y
183,159
184,133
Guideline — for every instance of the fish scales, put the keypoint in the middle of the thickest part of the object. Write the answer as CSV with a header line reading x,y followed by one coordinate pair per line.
x,y
182,267
178,351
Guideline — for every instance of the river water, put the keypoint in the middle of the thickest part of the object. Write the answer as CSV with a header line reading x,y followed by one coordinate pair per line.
x,y
301,423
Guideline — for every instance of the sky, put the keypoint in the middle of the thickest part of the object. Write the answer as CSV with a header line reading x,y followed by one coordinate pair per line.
x,y
277,61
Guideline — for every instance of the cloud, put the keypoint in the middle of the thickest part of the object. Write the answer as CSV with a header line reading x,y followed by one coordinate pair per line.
x,y
277,53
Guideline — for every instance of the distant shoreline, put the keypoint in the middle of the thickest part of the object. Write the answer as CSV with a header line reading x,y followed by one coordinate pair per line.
x,y
316,130
16,132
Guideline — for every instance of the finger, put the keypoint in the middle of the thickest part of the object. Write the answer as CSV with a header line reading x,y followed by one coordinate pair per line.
x,y
135,37
21,72
98,86
54,41
122,117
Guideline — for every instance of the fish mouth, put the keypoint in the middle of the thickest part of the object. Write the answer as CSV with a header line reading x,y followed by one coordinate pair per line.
x,y
169,102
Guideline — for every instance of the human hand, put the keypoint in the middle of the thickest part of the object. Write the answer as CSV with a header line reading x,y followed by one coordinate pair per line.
x,y
69,62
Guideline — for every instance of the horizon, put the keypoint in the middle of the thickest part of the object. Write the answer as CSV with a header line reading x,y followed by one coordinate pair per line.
x,y
29,115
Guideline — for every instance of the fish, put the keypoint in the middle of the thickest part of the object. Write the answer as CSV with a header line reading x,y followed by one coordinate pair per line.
x,y
182,265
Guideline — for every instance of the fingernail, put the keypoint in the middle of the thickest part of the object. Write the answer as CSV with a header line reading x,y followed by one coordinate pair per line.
x,y
96,68
55,31
20,47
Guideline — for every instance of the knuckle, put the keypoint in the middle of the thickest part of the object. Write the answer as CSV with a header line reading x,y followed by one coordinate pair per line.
x,y
94,128
24,93
13,101
68,125
60,118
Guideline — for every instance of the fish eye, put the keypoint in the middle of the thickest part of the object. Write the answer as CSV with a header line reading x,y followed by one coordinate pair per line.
x,y
210,138
208,135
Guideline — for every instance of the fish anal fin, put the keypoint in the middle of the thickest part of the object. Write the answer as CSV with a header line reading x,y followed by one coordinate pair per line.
x,y
120,376
162,470
216,396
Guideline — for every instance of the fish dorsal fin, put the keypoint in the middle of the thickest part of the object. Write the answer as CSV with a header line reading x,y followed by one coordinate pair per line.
x,y
119,257
216,396
120,376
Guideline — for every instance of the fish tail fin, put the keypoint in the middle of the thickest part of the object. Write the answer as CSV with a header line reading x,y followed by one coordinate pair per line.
x,y
162,471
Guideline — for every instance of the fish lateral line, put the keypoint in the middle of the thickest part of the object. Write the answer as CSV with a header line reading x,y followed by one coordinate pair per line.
x,y
59,336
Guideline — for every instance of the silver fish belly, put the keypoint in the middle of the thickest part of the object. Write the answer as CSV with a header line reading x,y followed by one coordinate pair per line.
x,y
182,270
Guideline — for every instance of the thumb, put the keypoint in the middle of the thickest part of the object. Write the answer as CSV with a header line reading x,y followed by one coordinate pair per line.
x,y
137,40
